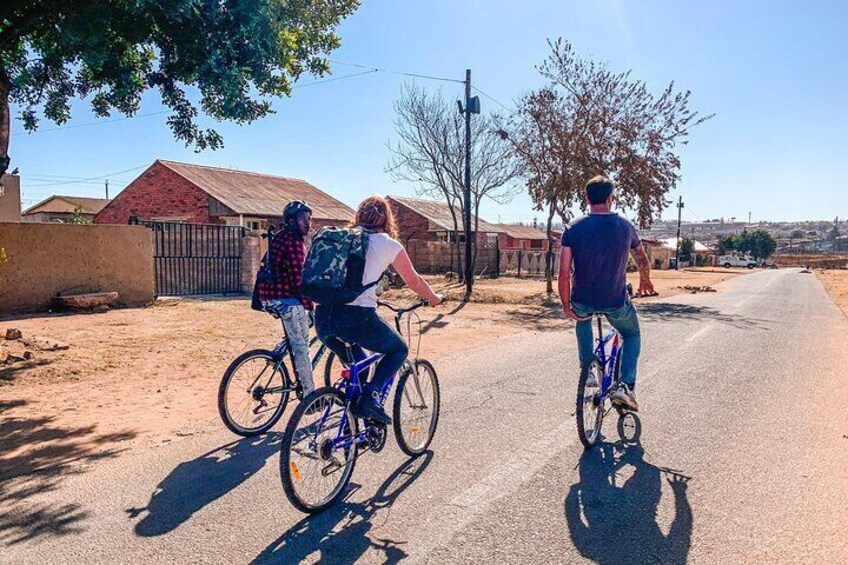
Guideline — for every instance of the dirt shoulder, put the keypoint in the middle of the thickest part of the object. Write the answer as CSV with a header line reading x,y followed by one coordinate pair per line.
x,y
836,283
149,375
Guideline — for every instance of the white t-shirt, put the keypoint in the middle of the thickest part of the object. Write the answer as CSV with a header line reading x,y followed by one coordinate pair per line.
x,y
382,250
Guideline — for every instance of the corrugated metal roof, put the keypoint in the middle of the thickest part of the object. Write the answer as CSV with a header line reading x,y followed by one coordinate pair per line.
x,y
522,232
439,214
58,204
256,194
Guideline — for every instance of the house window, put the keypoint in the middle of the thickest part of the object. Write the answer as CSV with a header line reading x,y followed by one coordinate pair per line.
x,y
253,224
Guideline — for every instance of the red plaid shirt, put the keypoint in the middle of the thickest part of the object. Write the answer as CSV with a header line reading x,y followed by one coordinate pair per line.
x,y
287,253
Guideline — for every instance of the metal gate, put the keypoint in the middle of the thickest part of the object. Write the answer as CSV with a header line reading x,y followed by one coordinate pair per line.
x,y
196,258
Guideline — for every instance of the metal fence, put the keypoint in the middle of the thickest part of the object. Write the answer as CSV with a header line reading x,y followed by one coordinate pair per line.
x,y
526,262
196,258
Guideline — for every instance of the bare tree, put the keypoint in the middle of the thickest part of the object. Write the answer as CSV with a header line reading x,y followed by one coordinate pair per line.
x,y
589,120
430,153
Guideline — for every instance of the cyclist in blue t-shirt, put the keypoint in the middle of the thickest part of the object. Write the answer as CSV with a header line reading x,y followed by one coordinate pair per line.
x,y
598,246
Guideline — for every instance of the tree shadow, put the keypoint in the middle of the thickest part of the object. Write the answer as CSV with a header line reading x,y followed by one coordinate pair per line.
x,y
354,520
35,456
9,372
670,311
192,485
612,511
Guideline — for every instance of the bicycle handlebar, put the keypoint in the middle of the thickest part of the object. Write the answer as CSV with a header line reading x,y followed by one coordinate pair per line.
x,y
400,310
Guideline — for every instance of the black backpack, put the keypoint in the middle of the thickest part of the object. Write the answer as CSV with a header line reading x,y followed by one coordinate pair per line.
x,y
266,273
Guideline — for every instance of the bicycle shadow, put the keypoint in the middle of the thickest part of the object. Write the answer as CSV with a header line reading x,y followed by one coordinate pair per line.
x,y
192,485
354,520
614,519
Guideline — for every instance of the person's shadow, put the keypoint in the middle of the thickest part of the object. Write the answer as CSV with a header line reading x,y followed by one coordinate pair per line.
x,y
317,533
192,485
612,511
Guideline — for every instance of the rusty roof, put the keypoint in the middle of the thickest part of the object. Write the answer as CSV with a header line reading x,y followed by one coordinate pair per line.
x,y
59,204
522,232
256,194
438,214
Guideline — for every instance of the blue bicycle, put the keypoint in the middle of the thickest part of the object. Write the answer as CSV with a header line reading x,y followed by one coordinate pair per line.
x,y
324,438
598,380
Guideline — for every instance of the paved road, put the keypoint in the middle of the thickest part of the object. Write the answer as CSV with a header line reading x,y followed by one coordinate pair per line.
x,y
743,459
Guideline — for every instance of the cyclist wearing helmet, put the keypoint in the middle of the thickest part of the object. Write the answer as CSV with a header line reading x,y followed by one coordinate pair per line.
x,y
598,246
286,254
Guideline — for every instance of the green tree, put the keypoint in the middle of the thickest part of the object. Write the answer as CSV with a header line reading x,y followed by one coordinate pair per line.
x,y
687,247
79,217
236,55
727,244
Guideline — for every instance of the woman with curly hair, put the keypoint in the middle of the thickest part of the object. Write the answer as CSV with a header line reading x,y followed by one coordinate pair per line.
x,y
357,322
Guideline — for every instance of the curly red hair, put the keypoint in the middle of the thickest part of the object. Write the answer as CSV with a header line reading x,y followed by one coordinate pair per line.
x,y
374,213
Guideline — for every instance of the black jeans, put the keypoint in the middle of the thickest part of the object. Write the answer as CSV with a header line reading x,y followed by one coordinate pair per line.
x,y
361,327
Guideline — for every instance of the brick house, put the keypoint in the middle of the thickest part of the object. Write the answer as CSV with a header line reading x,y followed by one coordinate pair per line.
x,y
521,237
429,220
181,192
60,208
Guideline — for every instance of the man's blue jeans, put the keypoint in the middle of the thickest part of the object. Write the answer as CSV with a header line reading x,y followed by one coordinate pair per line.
x,y
624,320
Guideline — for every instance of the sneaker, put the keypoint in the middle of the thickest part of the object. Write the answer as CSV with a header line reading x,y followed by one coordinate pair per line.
x,y
625,396
369,407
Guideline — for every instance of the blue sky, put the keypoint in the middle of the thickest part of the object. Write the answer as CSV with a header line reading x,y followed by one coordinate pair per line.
x,y
774,73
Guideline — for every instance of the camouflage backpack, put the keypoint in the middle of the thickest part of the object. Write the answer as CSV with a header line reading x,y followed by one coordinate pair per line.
x,y
334,265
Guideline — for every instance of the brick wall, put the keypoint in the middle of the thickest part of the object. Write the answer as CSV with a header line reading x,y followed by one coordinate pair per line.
x,y
158,193
411,224
434,257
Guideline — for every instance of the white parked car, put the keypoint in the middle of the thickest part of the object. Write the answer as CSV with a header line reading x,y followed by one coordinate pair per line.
x,y
736,261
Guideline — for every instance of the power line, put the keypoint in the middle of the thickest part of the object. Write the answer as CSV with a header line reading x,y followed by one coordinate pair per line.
x,y
368,72
97,123
101,177
504,106
389,71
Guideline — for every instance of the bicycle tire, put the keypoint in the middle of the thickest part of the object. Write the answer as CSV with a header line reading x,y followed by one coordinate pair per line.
x,y
417,450
223,410
286,469
589,439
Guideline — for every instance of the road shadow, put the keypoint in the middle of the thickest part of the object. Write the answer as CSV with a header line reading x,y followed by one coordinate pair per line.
x,y
36,455
670,311
192,485
340,534
612,511
439,321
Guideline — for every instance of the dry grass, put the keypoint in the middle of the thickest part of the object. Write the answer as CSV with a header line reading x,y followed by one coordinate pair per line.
x,y
836,283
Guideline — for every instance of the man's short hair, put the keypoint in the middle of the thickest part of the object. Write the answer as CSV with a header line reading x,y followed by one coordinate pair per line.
x,y
598,189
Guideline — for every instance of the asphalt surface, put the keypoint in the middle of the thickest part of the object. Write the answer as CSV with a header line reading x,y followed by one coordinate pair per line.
x,y
742,458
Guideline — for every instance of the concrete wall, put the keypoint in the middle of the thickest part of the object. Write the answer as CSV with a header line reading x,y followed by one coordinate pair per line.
x,y
39,261
10,198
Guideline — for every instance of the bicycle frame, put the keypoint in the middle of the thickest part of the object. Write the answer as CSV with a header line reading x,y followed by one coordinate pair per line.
x,y
352,388
608,362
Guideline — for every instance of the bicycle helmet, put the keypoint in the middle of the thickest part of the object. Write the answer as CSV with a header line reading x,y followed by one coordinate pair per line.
x,y
294,208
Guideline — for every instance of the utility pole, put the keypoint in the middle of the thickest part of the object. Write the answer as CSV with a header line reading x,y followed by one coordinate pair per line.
x,y
472,105
107,189
677,251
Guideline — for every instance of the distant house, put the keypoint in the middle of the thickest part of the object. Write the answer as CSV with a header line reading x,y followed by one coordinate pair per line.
x,y
430,220
521,237
62,209
181,192
10,198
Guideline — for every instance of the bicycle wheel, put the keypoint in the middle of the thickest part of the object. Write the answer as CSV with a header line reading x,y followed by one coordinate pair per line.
x,y
313,468
253,393
416,408
590,410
